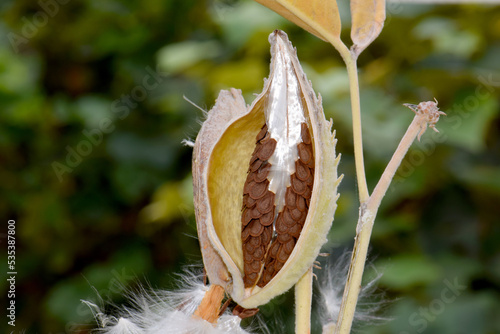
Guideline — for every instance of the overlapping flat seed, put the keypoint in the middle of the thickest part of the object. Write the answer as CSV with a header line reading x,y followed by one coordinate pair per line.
x,y
258,209
291,219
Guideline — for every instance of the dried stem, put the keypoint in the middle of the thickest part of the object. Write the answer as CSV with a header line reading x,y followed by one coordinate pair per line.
x,y
425,113
303,299
209,307
389,172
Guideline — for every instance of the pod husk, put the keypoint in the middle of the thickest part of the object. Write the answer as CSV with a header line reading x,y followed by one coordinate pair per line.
x,y
222,151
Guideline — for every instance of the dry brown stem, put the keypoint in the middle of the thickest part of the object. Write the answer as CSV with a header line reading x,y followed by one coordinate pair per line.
x,y
210,305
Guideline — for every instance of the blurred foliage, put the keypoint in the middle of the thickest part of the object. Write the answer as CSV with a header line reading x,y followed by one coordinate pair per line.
x,y
93,170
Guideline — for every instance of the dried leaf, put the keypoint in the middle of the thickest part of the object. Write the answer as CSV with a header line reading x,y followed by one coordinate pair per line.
x,y
319,17
368,18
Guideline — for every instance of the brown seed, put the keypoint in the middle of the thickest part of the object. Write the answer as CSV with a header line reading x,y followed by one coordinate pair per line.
x,y
257,190
280,226
282,254
267,218
267,149
266,278
301,203
256,229
255,165
306,137
244,313
245,234
262,132
290,198
272,263
256,150
287,217
307,193
310,164
254,241
298,186
255,266
259,253
266,203
247,257
247,281
253,159
265,237
248,201
279,265
284,237
246,217
266,137
295,230
248,247
262,173
249,178
255,213
296,214
273,251
301,171
302,220
288,246
252,276
248,185
305,153
310,179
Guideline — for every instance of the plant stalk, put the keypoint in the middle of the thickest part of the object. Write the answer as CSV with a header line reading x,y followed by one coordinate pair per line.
x,y
350,60
356,268
393,165
303,300
364,228
352,72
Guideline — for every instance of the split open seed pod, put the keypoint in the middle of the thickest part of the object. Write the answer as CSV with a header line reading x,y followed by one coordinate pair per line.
x,y
265,183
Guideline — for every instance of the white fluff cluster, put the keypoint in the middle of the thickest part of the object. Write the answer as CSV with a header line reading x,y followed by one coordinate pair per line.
x,y
165,312
331,286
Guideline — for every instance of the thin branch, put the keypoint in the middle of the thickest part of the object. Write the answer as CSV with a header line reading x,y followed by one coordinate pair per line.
x,y
426,114
350,59
352,71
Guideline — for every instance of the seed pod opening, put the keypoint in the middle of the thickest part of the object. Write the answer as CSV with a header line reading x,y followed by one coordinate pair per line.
x,y
265,181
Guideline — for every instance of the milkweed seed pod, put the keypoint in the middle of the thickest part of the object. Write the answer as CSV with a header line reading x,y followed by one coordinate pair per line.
x,y
265,183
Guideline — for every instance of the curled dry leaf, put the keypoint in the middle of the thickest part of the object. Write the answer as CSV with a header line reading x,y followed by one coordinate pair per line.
x,y
368,18
319,17
265,183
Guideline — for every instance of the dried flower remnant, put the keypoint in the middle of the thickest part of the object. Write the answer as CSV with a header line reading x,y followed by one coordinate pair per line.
x,y
265,180
429,112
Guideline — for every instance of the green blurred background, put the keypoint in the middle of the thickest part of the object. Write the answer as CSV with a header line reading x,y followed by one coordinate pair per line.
x,y
106,79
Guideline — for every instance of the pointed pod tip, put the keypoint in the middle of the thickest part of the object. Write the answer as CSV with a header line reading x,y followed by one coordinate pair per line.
x,y
277,34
